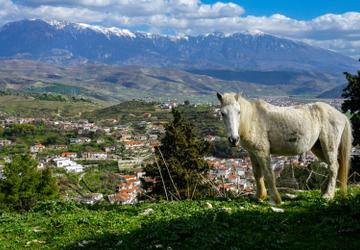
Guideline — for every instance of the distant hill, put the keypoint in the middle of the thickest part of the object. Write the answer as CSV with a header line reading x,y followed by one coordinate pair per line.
x,y
23,105
335,92
73,43
114,83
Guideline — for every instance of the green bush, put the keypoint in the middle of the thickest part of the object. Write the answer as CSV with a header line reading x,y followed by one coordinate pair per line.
x,y
24,185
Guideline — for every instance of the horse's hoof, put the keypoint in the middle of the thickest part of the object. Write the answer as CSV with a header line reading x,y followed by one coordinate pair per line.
x,y
327,196
261,198
275,202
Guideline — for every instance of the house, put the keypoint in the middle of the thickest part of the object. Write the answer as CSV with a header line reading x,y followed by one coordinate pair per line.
x,y
126,136
131,180
68,165
91,199
143,124
120,198
94,156
153,137
133,144
85,140
129,163
124,196
156,129
71,155
126,191
100,141
75,140
169,105
58,147
5,142
37,148
109,149
107,130
140,137
223,171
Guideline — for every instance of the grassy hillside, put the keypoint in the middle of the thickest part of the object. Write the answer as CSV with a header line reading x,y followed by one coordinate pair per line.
x,y
29,106
308,222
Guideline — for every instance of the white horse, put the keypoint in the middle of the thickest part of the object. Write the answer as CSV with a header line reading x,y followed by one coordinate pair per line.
x,y
264,129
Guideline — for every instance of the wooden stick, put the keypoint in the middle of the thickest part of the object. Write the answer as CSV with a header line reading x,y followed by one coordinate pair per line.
x,y
162,179
172,181
194,190
176,198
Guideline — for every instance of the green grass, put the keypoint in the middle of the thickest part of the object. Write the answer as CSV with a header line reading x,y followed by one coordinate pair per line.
x,y
307,223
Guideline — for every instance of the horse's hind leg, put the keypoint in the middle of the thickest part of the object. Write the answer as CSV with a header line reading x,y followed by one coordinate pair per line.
x,y
330,144
264,163
259,179
318,151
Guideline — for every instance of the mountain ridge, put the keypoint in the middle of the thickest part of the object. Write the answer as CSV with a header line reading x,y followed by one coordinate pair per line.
x,y
69,43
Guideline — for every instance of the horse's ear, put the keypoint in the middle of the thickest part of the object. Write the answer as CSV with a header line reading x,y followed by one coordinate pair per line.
x,y
238,95
219,96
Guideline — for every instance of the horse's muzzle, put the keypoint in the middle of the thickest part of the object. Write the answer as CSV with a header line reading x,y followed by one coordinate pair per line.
x,y
233,140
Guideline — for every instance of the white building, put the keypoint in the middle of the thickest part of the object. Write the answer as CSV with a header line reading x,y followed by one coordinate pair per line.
x,y
68,165
94,155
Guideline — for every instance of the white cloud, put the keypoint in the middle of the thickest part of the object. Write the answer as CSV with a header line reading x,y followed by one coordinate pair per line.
x,y
336,32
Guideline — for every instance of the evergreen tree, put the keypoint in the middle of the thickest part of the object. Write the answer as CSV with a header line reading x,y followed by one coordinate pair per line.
x,y
48,187
180,164
352,103
23,184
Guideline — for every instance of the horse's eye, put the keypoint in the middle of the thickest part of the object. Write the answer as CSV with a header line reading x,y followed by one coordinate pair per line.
x,y
223,114
238,112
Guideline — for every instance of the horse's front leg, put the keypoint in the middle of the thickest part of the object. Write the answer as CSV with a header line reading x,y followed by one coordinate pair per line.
x,y
264,163
261,193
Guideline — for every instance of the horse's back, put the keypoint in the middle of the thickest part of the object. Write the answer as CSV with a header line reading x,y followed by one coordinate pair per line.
x,y
295,129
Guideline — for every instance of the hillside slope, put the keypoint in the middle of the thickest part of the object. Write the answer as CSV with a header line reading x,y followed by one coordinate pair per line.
x,y
116,83
306,223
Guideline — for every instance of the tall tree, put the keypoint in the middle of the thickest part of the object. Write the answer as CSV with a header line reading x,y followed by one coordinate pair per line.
x,y
179,162
352,103
23,184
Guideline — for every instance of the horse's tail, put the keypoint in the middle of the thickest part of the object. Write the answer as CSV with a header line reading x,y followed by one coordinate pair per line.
x,y
344,157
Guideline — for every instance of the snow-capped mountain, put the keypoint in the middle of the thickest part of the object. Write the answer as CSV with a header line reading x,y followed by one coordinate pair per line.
x,y
108,32
72,43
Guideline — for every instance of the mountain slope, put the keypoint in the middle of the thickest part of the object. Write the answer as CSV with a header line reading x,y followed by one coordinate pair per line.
x,y
71,43
335,92
117,83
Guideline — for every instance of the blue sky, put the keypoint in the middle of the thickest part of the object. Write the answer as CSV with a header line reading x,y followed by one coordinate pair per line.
x,y
298,9
330,24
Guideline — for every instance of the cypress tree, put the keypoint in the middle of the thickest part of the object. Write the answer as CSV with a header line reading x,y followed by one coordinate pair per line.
x,y
181,154
352,103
